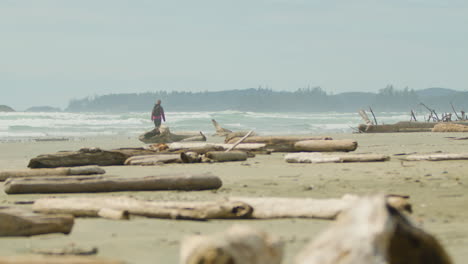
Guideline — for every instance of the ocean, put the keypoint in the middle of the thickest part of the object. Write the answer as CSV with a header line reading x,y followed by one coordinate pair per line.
x,y
25,126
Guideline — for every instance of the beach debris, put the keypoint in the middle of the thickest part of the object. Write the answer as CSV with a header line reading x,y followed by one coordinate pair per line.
x,y
84,170
306,157
164,135
371,232
326,145
154,159
437,156
240,141
222,156
276,143
70,249
22,222
219,130
280,207
365,117
238,244
87,156
450,127
51,259
202,148
86,184
403,126
91,206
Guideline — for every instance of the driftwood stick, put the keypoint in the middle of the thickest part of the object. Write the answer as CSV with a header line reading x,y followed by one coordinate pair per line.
x,y
371,232
38,259
373,115
413,116
321,158
239,141
438,156
239,244
219,130
326,145
455,111
85,170
71,184
91,207
365,117
21,222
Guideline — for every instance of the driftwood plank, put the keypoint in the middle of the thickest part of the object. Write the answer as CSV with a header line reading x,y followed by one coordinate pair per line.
x,y
321,158
38,259
81,184
21,222
437,156
85,170
239,244
371,232
326,145
172,210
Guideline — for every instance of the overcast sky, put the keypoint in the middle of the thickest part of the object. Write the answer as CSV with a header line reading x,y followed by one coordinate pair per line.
x,y
53,51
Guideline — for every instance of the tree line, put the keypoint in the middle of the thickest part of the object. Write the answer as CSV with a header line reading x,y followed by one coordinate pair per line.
x,y
267,100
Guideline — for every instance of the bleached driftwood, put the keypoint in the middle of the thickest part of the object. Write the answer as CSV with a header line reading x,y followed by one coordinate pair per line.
x,y
154,159
278,207
77,184
238,245
437,156
165,136
22,222
277,143
221,156
365,117
239,141
39,259
449,127
85,170
90,207
219,130
326,145
306,157
69,249
113,214
371,232
202,148
87,156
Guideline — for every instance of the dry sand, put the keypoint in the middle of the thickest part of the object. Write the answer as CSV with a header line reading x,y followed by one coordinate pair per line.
x,y
437,190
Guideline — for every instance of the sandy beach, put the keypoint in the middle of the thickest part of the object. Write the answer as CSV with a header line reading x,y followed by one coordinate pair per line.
x,y
438,192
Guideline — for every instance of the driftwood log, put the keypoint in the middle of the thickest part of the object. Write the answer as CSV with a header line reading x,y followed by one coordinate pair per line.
x,y
219,130
450,127
338,158
87,156
238,245
85,170
404,126
221,156
202,148
277,207
82,184
21,222
437,156
91,207
154,159
326,145
277,143
372,232
164,135
70,249
38,259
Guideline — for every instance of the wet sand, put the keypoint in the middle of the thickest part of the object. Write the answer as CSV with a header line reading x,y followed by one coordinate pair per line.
x,y
438,193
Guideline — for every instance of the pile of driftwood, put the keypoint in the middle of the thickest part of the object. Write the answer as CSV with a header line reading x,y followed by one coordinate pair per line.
x,y
164,135
371,231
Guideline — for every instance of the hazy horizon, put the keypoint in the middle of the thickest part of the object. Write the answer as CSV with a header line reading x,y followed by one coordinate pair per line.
x,y
54,50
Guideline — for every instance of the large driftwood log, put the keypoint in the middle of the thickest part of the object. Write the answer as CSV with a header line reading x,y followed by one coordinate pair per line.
x,y
326,145
221,156
238,245
372,232
21,222
405,126
87,156
90,207
38,259
76,184
437,156
85,170
202,148
219,130
277,143
165,136
154,159
321,158
449,127
277,207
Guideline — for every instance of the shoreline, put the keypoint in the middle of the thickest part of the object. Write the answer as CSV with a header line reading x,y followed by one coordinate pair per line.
x,y
437,190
